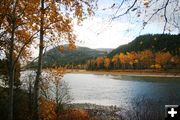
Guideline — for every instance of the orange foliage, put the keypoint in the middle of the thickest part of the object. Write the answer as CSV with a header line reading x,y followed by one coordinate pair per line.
x,y
99,61
74,115
138,60
163,58
156,66
47,110
175,60
115,60
146,57
122,58
107,62
131,57
61,48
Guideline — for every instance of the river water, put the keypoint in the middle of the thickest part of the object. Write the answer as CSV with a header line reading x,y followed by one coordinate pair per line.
x,y
122,90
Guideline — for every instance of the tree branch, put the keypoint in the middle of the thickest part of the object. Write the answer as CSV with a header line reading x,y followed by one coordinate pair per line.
x,y
135,1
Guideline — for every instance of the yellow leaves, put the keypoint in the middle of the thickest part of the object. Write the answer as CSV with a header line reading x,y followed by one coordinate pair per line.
x,y
131,63
146,58
33,21
136,61
140,60
63,25
58,71
162,57
107,62
32,7
22,35
99,61
115,59
131,58
156,66
78,11
71,46
122,58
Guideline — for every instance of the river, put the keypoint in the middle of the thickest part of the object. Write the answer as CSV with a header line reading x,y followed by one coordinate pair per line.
x,y
122,90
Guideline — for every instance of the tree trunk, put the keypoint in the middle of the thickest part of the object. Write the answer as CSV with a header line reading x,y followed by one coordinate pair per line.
x,y
39,69
30,103
11,65
11,92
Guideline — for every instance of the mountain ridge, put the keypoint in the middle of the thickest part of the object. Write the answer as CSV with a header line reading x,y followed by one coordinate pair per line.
x,y
54,57
155,43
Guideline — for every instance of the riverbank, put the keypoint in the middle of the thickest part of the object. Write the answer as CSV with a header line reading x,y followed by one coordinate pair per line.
x,y
99,112
150,73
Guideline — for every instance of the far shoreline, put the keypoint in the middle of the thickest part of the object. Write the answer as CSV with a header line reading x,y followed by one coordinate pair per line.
x,y
148,73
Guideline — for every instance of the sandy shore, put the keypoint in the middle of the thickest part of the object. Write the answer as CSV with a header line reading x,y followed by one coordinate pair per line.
x,y
150,73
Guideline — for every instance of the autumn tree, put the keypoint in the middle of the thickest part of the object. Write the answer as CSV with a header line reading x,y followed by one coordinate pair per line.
x,y
53,88
115,61
16,35
107,62
131,58
163,58
122,59
99,62
146,58
175,60
55,21
4,72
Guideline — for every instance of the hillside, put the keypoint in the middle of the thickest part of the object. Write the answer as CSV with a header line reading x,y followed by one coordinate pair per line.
x,y
154,43
54,57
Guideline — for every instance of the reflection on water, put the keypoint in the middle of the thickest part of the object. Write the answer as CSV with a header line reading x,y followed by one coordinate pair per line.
x,y
122,90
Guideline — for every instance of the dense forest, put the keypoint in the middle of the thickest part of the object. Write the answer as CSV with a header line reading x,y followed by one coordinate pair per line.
x,y
155,43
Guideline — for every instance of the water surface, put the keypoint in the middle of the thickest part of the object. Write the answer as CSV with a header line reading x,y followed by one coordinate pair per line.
x,y
122,90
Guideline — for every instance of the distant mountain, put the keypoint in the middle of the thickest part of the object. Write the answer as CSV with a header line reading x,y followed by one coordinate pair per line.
x,y
108,50
157,42
54,57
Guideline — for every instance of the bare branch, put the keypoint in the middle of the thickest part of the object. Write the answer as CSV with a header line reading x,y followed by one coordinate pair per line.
x,y
135,1
165,17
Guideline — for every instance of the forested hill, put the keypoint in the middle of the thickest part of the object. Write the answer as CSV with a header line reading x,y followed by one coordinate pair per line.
x,y
54,57
155,43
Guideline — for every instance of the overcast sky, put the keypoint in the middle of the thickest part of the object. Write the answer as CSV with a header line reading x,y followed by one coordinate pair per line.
x,y
98,32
